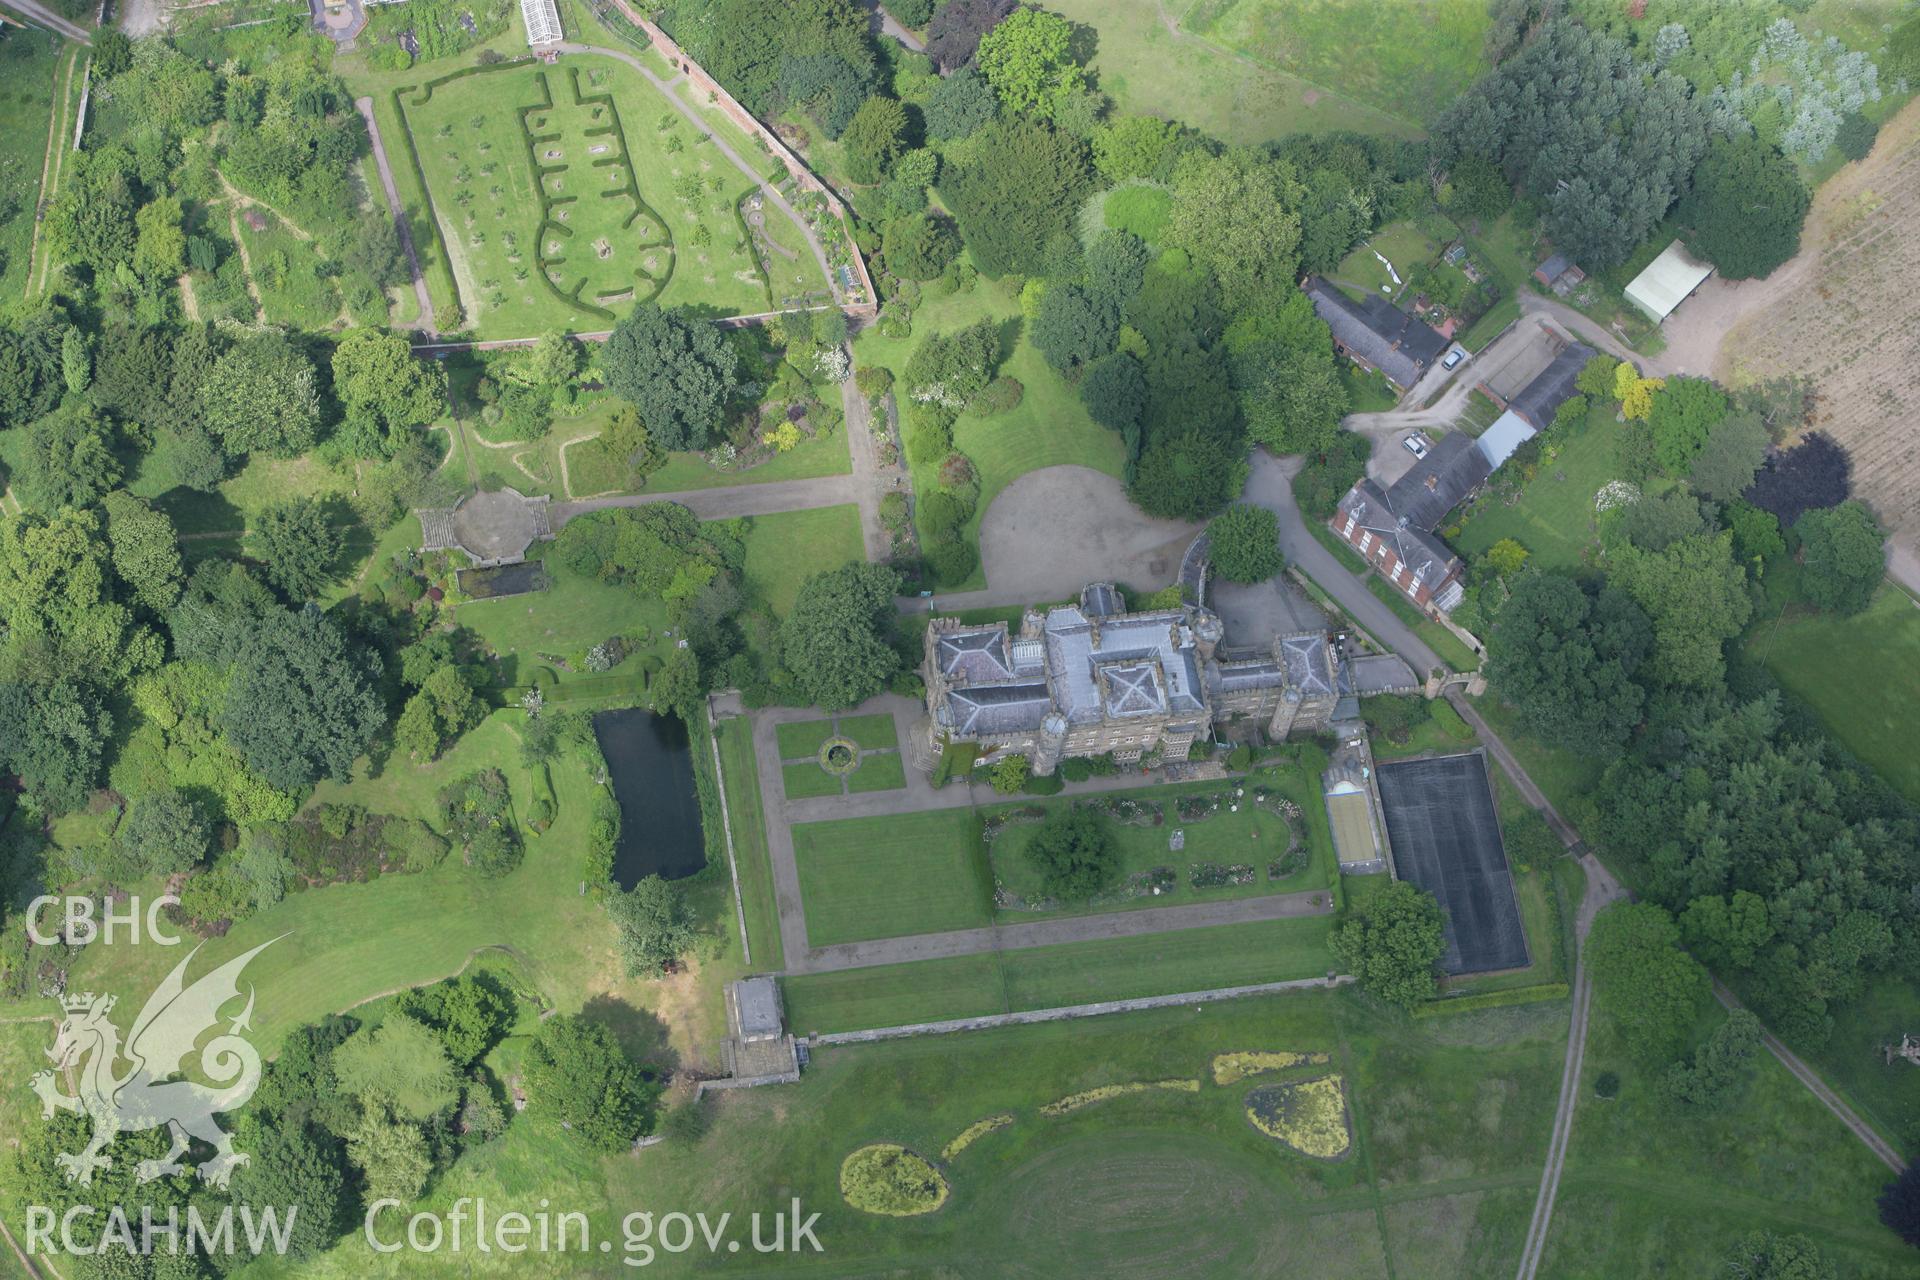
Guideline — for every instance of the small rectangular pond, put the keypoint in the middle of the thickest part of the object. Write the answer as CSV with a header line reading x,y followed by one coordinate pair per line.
x,y
651,764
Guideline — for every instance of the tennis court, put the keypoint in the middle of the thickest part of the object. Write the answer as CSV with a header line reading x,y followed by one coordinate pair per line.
x,y
1446,839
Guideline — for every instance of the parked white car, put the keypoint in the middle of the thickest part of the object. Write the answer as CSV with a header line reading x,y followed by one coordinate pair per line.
x,y
1454,357
1417,444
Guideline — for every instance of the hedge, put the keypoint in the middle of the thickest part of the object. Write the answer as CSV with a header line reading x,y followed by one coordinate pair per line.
x,y
1493,999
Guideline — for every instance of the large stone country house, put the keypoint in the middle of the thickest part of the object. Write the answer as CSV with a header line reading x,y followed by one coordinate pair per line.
x,y
1088,678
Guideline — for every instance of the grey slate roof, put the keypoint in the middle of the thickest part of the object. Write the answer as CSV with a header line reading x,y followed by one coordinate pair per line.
x,y
999,708
1391,340
1439,481
1132,688
1101,600
1540,399
1253,673
1309,665
1552,269
1422,553
976,654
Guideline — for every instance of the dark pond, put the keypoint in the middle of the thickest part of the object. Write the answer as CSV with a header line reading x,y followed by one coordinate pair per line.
x,y
652,769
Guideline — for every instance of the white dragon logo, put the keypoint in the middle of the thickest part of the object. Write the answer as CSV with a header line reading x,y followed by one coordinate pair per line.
x,y
148,1096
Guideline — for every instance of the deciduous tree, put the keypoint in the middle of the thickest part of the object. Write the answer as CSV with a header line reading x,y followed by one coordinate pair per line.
x,y
1842,549
1651,988
837,639
376,373
1243,544
1565,655
1074,854
146,550
578,1075
1745,207
300,704
1027,60
677,371
654,924
1391,943
299,544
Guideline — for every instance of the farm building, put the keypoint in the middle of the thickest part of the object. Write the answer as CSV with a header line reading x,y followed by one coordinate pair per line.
x,y
1668,281
543,22
1558,274
1375,334
1534,405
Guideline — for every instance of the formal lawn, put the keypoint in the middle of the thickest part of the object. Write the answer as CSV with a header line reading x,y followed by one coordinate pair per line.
x,y
746,811
864,878
1553,516
1856,673
784,548
802,737
894,995
878,771
1254,838
1048,428
873,733
1408,58
1157,59
807,781
568,193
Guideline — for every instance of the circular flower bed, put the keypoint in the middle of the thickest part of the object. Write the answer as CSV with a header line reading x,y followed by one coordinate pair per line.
x,y
839,755
887,1179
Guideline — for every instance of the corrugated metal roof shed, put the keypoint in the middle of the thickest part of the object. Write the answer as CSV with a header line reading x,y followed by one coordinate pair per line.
x,y
1667,281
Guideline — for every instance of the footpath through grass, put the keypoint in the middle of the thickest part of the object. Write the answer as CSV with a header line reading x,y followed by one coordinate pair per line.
x,y
1654,1187
1062,974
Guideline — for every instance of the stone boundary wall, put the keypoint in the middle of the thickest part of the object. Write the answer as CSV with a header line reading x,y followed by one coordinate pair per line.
x,y
731,107
744,1082
1074,1011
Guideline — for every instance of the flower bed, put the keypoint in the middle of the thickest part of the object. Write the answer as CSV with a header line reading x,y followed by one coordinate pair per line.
x,y
1106,1092
1128,811
973,1133
1229,1068
1215,875
990,829
1290,863
887,1179
839,755
1310,1117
